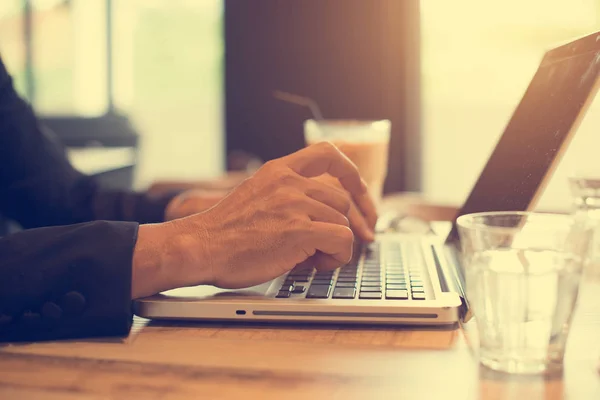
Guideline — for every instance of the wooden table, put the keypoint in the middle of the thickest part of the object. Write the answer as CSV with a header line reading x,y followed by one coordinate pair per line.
x,y
229,361
225,361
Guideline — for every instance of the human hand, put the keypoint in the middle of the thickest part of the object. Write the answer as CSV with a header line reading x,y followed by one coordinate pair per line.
x,y
192,202
360,224
274,220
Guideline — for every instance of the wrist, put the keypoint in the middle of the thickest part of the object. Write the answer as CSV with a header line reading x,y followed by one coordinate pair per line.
x,y
167,256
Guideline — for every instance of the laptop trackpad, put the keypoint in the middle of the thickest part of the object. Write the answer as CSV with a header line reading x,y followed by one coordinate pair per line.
x,y
210,292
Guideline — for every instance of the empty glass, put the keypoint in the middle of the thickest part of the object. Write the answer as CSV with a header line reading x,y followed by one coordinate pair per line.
x,y
522,279
586,204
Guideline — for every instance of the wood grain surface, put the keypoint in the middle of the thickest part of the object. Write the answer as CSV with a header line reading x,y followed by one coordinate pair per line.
x,y
268,361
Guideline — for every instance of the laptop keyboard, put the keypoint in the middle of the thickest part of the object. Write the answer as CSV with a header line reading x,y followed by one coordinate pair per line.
x,y
369,276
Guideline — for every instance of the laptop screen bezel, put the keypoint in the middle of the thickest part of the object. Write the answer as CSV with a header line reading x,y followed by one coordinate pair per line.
x,y
579,47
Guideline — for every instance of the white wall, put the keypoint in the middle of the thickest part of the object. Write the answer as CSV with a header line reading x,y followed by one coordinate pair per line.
x,y
478,59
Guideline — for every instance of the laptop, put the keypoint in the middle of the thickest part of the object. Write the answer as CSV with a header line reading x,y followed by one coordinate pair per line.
x,y
410,279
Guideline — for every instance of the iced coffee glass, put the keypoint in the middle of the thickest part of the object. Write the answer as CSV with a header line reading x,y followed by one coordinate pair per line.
x,y
364,142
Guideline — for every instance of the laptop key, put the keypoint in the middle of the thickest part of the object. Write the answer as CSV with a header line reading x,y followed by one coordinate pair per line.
x,y
395,286
371,271
371,275
370,289
283,294
368,279
348,272
287,288
299,289
370,295
397,281
371,264
394,262
396,294
318,292
370,284
321,282
345,284
418,296
344,293
395,270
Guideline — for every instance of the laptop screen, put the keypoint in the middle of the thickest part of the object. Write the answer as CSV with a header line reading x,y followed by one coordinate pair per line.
x,y
538,132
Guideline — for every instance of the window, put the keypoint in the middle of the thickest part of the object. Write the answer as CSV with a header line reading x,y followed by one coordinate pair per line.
x,y
156,62
478,59
168,76
12,45
56,50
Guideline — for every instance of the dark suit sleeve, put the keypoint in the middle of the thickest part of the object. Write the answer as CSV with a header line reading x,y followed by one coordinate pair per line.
x,y
67,281
38,185
67,276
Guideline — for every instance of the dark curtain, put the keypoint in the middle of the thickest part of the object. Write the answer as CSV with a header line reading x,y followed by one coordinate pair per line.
x,y
358,59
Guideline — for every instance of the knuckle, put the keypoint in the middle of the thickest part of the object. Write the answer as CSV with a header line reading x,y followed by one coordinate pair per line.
x,y
296,228
339,218
345,203
303,224
315,192
328,147
289,198
285,178
272,164
273,167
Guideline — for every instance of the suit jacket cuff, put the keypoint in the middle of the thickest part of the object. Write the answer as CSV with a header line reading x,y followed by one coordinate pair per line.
x,y
67,281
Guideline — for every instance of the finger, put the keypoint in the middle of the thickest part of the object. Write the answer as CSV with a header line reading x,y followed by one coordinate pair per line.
x,y
324,158
324,262
330,195
366,205
321,212
321,191
334,240
359,224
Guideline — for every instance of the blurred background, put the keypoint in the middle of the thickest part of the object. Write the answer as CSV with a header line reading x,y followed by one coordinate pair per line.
x,y
142,91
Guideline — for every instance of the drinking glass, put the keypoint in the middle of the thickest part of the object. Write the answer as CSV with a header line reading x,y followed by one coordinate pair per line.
x,y
586,204
522,279
364,142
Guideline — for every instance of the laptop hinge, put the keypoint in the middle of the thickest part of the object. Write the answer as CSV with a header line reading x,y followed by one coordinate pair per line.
x,y
447,263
